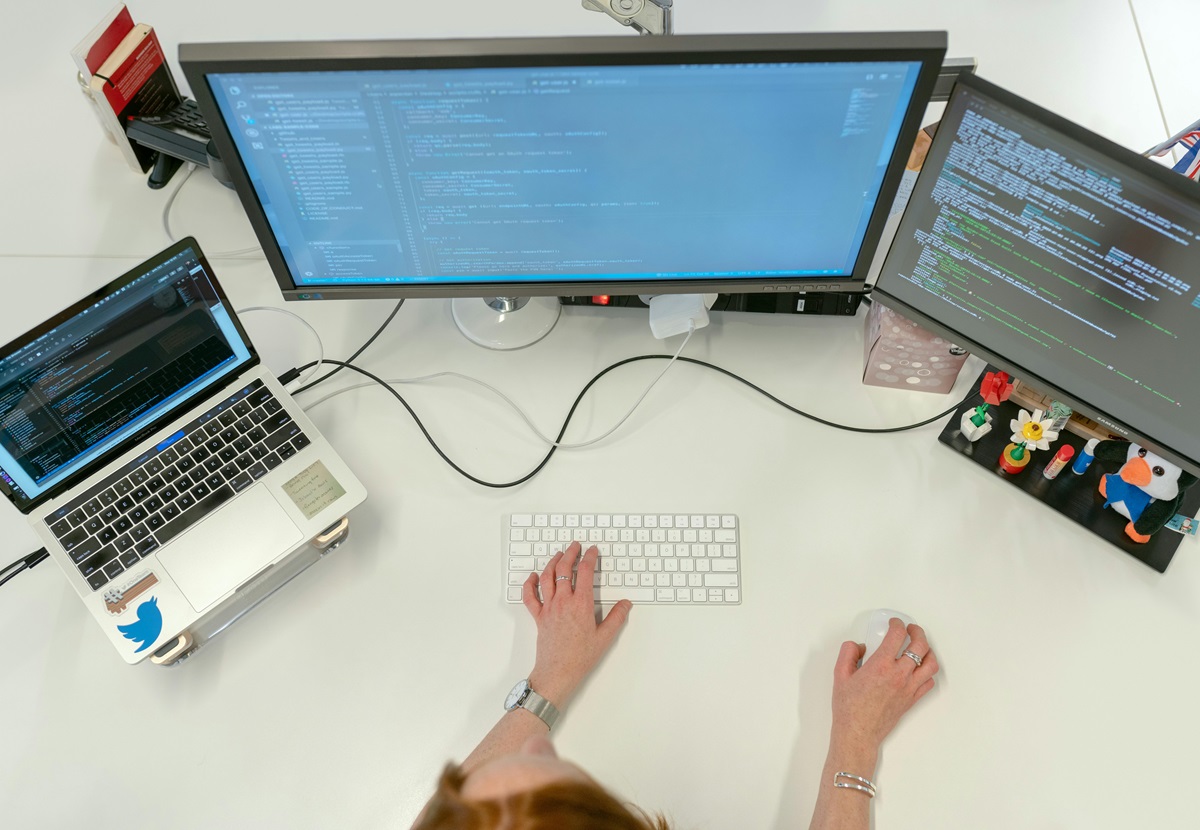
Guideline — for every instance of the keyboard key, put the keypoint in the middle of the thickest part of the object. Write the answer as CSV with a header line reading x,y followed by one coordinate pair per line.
x,y
138,514
227,417
74,538
123,543
243,444
272,406
213,481
186,464
93,524
123,487
286,451
147,545
92,507
272,461
244,462
241,409
98,560
213,445
97,580
155,522
200,491
170,512
257,471
168,494
259,398
139,477
155,484
129,558
85,549
139,533
182,446
300,441
122,524
229,471
213,463
77,517
240,482
106,535
169,456
140,494
108,497
720,580
170,474
154,466
229,435
60,528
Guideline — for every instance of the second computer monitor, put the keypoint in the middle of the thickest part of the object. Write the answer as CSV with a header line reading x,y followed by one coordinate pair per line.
x,y
556,166
1067,260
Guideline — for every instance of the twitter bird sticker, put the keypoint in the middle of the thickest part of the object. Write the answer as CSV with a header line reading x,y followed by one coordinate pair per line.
x,y
147,627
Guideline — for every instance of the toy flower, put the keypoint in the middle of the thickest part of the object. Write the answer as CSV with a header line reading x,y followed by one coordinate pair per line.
x,y
1032,431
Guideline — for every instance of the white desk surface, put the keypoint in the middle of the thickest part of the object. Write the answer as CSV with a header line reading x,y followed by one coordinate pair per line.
x,y
1067,697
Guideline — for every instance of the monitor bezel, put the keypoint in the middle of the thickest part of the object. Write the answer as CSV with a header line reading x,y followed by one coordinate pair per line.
x,y
1139,165
26,505
198,60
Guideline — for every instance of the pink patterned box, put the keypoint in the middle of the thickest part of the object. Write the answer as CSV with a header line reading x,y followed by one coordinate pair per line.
x,y
899,353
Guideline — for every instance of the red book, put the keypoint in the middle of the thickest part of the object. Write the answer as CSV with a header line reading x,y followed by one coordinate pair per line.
x,y
126,75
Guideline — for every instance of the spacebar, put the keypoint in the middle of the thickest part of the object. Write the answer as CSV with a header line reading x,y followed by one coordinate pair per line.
x,y
609,594
197,512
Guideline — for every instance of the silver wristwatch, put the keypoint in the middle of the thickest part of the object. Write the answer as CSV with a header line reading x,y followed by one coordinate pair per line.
x,y
523,696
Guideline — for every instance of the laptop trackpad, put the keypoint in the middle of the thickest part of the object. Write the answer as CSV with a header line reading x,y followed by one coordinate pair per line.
x,y
233,544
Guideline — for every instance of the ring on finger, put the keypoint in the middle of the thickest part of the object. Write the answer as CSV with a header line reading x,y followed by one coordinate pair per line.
x,y
916,658
558,579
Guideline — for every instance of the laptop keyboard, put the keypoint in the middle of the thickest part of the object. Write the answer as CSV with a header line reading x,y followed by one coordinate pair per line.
x,y
166,490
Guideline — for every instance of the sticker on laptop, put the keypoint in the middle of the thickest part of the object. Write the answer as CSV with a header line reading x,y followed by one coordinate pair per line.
x,y
119,597
1182,524
313,489
146,628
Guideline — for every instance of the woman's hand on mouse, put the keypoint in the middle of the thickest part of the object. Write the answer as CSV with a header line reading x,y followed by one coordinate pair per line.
x,y
569,640
869,701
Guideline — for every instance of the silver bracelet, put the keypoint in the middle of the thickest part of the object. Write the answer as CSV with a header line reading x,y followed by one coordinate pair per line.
x,y
869,789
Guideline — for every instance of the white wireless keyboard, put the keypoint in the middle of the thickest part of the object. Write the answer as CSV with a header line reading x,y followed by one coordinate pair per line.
x,y
647,558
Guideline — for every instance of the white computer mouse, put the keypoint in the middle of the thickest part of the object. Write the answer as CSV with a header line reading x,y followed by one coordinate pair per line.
x,y
877,629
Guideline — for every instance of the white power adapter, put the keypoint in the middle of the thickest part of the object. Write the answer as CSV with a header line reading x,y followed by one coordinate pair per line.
x,y
672,314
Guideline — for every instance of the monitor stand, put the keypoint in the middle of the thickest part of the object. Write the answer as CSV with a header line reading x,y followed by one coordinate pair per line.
x,y
506,323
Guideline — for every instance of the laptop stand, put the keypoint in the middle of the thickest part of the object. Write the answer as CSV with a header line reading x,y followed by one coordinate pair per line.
x,y
250,595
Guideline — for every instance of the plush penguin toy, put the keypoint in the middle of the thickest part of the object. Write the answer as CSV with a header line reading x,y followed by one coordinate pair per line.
x,y
1147,490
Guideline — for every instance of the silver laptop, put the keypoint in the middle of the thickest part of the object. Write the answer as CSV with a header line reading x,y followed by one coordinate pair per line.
x,y
164,468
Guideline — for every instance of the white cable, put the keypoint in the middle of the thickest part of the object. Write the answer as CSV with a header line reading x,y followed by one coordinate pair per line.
x,y
512,404
320,345
240,253
166,214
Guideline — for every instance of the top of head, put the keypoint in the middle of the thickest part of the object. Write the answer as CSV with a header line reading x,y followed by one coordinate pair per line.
x,y
877,629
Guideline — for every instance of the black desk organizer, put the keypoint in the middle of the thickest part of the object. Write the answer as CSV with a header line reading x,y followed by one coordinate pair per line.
x,y
1076,497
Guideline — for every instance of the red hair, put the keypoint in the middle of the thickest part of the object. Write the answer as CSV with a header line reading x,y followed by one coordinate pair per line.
x,y
561,806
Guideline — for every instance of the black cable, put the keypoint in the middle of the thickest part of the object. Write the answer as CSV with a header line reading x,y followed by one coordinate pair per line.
x,y
589,385
25,563
351,358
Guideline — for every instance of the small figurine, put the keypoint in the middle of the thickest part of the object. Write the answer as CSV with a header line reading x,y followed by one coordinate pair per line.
x,y
1014,459
1147,490
994,389
975,423
1028,434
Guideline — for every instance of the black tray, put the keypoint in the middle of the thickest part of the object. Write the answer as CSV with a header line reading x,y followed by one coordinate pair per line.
x,y
1075,496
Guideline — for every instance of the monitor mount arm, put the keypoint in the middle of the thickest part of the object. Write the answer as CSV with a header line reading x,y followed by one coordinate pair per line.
x,y
648,17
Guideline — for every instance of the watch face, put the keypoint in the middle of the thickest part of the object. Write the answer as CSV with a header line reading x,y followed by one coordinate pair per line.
x,y
516,695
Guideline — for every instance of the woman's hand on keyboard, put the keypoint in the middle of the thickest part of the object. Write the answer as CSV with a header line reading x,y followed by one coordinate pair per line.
x,y
569,640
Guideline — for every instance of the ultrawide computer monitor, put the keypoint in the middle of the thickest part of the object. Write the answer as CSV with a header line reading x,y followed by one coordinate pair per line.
x,y
1063,258
567,166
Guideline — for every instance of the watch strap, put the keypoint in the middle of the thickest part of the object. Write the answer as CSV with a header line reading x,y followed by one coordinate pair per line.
x,y
538,705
